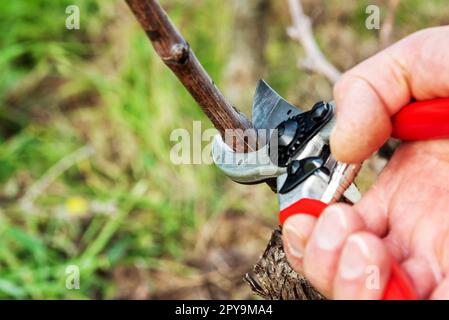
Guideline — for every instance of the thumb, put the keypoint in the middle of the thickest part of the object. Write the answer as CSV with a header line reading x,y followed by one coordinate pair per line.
x,y
370,93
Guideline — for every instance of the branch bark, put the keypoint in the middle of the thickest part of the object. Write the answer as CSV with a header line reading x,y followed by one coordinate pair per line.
x,y
272,277
302,32
176,53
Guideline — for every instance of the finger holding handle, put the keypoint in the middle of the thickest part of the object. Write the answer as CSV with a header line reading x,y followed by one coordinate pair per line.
x,y
398,287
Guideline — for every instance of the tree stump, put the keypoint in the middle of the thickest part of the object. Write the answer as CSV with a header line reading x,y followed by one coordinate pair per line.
x,y
272,277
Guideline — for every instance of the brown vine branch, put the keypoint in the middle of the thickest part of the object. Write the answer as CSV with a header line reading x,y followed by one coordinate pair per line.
x,y
301,30
179,57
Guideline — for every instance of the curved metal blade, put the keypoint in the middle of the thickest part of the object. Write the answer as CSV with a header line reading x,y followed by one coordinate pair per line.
x,y
269,108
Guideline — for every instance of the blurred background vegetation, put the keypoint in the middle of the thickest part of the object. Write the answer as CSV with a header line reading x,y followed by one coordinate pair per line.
x,y
85,120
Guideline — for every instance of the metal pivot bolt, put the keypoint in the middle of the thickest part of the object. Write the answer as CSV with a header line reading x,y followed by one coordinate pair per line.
x,y
287,132
319,111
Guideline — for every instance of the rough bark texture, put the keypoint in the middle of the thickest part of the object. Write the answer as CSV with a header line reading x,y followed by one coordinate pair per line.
x,y
272,277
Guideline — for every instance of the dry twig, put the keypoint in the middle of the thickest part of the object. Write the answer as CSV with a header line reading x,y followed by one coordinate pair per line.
x,y
385,35
302,32
37,188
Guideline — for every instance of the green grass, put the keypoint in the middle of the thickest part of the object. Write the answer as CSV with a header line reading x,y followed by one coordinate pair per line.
x,y
137,104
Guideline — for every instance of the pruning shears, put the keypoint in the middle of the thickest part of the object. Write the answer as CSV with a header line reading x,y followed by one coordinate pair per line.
x,y
294,150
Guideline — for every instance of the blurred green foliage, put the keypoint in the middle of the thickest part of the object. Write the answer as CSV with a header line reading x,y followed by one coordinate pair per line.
x,y
103,87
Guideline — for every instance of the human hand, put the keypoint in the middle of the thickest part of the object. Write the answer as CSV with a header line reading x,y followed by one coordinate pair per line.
x,y
405,215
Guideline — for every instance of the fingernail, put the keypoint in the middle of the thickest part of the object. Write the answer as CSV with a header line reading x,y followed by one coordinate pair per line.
x,y
332,229
354,258
296,240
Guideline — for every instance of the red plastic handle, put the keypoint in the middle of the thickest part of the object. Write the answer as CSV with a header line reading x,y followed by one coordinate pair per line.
x,y
422,120
398,287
